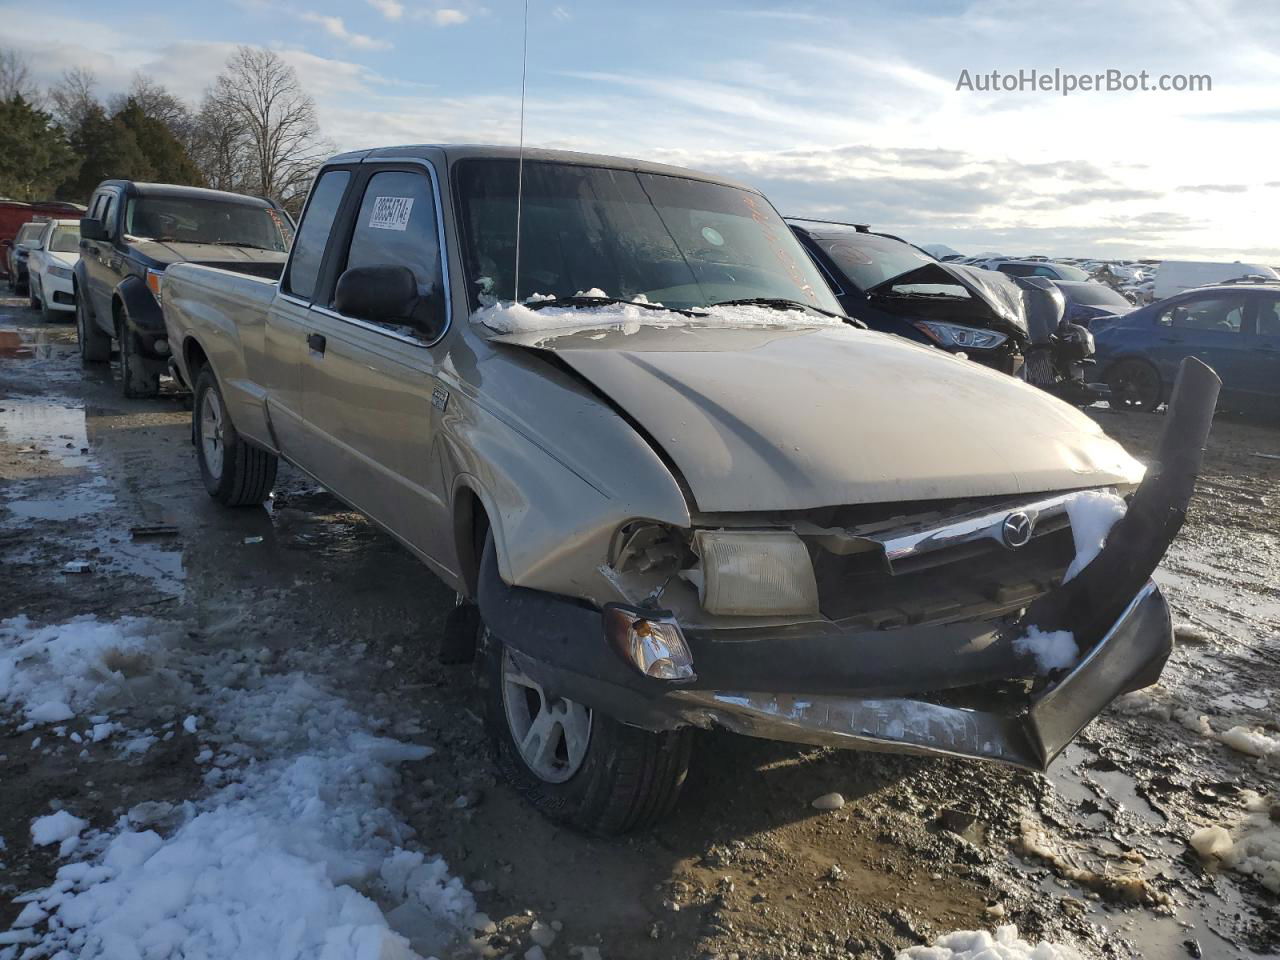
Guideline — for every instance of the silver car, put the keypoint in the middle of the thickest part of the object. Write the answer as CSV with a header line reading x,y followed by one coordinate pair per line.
x,y
614,405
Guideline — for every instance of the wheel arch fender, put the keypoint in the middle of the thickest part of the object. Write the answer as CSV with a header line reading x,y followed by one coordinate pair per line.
x,y
475,518
140,306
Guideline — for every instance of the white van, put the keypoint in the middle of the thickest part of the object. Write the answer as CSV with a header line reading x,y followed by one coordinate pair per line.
x,y
1174,276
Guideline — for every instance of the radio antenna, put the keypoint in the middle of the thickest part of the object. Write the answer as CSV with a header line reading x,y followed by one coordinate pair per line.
x,y
524,73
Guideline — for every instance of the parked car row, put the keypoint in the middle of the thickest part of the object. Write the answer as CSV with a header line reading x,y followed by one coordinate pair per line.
x,y
673,483
20,217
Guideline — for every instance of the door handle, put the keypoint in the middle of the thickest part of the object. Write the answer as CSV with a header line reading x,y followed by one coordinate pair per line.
x,y
316,342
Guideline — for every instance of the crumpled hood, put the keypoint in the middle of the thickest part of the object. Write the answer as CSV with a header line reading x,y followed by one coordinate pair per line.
x,y
789,418
1000,295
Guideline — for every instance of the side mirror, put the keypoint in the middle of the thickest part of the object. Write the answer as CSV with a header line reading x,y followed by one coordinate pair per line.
x,y
387,294
91,229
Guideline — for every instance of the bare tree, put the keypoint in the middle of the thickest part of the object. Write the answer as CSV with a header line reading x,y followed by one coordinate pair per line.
x,y
156,101
15,78
219,145
72,98
278,138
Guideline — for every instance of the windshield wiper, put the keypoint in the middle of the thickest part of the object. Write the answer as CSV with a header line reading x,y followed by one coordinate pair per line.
x,y
782,303
232,243
578,301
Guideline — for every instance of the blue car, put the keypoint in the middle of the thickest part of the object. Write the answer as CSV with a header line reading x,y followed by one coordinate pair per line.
x,y
1233,327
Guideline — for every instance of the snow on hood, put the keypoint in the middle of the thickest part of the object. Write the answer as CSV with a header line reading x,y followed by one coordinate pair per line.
x,y
518,318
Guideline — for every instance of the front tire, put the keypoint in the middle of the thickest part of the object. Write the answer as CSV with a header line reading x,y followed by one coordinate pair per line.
x,y
95,346
1135,385
235,473
575,765
138,378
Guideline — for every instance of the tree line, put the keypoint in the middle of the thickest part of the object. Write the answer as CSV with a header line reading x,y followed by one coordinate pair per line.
x,y
254,131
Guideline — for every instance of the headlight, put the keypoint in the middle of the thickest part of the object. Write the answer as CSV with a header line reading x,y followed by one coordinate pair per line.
x,y
155,283
62,273
756,573
954,335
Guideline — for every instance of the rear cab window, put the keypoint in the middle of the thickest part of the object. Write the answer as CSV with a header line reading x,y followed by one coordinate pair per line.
x,y
398,225
313,233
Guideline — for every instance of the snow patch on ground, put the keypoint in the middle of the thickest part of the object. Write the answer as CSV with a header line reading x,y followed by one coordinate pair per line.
x,y
59,672
294,852
1092,513
61,828
981,945
1055,650
1251,847
508,317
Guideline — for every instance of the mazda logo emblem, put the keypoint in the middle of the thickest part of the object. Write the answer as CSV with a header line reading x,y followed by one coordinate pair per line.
x,y
1016,530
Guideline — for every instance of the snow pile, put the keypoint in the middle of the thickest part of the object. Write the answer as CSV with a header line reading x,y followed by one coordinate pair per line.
x,y
1251,848
980,945
509,317
1054,650
58,672
60,828
1252,741
1092,513
293,853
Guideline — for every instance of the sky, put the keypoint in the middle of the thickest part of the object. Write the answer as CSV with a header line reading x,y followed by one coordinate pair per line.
x,y
839,110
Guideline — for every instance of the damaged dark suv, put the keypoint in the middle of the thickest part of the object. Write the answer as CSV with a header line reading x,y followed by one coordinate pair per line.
x,y
897,288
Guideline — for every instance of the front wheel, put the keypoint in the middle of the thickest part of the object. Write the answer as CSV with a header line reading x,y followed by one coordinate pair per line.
x,y
139,380
235,473
95,346
574,764
1135,385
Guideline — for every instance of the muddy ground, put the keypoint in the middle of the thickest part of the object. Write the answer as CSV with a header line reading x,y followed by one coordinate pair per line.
x,y
1095,853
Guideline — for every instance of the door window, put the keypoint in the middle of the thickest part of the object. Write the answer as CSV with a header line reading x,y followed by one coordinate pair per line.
x,y
1218,314
397,226
1268,324
313,234
109,214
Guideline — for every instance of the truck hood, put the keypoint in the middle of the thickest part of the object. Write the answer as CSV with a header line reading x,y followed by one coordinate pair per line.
x,y
996,301
790,418
167,252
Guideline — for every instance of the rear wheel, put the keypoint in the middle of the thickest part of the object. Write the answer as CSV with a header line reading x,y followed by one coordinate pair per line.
x,y
235,473
574,764
1135,385
95,346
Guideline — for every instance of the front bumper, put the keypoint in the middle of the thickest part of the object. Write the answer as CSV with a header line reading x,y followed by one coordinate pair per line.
x,y
59,294
957,689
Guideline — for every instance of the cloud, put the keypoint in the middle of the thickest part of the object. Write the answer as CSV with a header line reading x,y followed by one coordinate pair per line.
x,y
1213,188
336,28
448,17
561,13
391,9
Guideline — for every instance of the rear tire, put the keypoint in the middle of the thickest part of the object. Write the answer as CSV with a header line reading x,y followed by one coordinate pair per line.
x,y
1135,385
605,779
95,346
235,473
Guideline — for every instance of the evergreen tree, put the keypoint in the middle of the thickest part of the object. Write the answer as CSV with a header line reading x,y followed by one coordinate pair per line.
x,y
166,155
108,149
34,156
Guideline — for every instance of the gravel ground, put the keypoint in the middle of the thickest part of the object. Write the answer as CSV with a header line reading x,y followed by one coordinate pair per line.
x,y
1095,854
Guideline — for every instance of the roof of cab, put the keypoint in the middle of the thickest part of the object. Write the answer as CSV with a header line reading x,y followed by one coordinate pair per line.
x,y
461,151
177,190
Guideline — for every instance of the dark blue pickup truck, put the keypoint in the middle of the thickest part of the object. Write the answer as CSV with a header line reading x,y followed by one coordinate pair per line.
x,y
131,233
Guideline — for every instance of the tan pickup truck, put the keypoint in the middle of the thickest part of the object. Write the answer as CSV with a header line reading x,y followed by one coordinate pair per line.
x,y
673,485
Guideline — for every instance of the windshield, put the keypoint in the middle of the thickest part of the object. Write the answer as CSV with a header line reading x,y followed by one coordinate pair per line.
x,y
671,240
65,240
197,220
1068,272
30,233
868,261
1095,295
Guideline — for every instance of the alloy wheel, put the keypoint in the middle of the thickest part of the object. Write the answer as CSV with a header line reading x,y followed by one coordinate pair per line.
x,y
551,734
211,444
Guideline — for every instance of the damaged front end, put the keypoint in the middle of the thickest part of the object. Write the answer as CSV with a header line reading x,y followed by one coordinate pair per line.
x,y
889,633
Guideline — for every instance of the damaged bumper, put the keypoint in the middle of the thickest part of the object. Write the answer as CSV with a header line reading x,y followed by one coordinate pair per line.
x,y
879,689
1129,657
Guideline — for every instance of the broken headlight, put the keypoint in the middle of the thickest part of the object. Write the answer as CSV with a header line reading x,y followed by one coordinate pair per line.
x,y
954,335
755,573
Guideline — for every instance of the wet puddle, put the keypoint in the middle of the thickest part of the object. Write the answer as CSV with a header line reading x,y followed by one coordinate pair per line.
x,y
39,423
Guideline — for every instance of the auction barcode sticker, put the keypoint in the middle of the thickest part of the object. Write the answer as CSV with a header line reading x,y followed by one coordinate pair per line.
x,y
391,213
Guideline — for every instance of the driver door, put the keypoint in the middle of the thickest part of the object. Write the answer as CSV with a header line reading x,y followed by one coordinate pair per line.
x,y
371,399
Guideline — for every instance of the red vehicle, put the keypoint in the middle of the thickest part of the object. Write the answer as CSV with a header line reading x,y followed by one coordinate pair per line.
x,y
14,213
